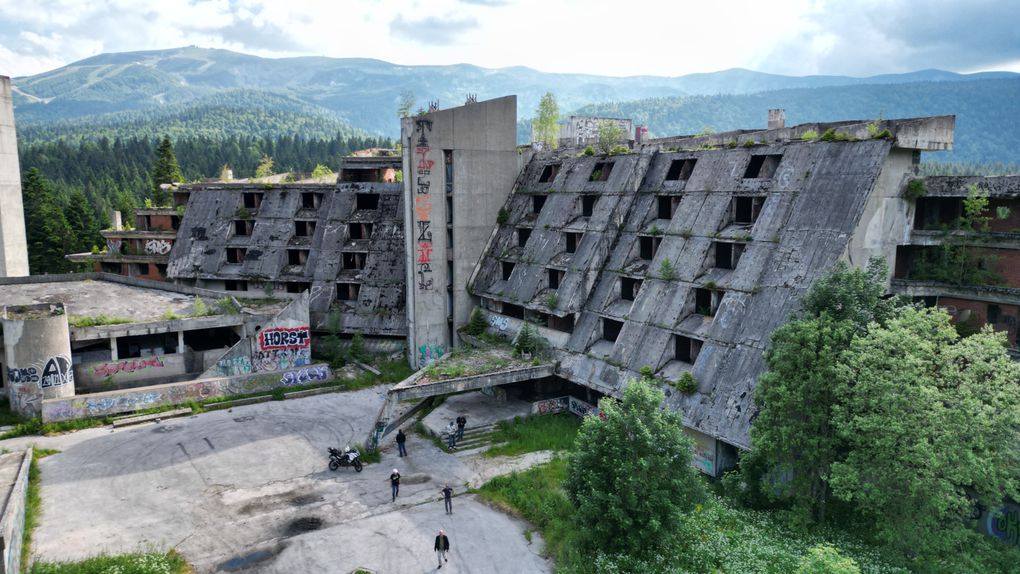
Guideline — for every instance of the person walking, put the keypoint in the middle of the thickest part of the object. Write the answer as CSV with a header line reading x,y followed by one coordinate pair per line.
x,y
401,439
461,423
442,546
395,484
448,498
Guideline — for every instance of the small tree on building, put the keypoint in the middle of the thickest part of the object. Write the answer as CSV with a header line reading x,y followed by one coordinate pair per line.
x,y
164,170
547,127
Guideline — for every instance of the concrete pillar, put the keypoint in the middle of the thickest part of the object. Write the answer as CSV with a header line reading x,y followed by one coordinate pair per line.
x,y
37,342
113,348
115,220
180,342
777,119
13,244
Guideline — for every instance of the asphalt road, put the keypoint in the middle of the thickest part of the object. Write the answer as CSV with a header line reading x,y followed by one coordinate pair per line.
x,y
248,490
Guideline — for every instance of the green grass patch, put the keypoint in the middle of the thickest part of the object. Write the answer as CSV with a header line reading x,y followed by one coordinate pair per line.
x,y
136,563
7,416
35,426
530,434
536,496
95,320
33,508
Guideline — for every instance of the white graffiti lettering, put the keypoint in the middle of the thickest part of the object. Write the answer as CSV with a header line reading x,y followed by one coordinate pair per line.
x,y
498,322
316,373
158,246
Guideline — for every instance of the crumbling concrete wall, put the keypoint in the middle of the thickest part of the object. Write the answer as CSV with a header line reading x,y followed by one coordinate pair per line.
x,y
37,348
283,343
125,401
12,521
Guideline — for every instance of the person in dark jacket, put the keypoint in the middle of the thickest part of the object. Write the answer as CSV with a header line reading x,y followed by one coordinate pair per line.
x,y
442,547
461,423
448,498
401,439
395,484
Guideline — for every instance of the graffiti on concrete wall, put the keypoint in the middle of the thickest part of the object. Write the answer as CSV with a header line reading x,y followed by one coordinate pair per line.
x,y
280,359
499,322
18,376
583,409
550,406
56,372
703,458
128,366
158,246
307,375
113,246
284,338
1003,523
233,366
423,208
429,353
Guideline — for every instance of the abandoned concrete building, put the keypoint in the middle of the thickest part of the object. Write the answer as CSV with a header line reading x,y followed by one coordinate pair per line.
x,y
141,250
680,256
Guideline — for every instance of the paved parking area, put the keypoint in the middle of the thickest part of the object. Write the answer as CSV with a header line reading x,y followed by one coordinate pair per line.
x,y
249,490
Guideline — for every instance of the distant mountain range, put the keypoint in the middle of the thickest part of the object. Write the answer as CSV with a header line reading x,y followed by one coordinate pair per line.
x,y
209,92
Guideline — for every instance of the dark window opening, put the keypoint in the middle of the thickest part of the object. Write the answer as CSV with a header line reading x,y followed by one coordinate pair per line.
x,y
994,314
448,162
297,256
934,212
140,268
311,200
297,286
243,227
252,200
449,209
745,210
537,203
523,234
363,175
508,269
511,310
611,329
114,268
601,171
359,230
449,235
236,254
175,222
629,288
667,206
549,173
686,348
555,276
562,324
304,228
727,254
348,291
235,285
161,269
762,166
209,339
366,200
588,204
449,279
706,301
680,169
648,246
146,222
573,239
148,345
354,260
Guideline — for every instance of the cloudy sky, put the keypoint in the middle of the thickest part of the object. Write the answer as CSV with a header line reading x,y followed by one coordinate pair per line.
x,y
619,38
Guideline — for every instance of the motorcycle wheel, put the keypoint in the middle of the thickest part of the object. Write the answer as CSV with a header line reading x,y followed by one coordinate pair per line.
x,y
357,465
333,465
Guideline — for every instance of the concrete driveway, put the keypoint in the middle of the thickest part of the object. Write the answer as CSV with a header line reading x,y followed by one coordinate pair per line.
x,y
249,490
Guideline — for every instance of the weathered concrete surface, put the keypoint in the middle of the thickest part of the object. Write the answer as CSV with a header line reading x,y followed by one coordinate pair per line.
x,y
480,409
37,353
13,245
13,489
422,388
223,484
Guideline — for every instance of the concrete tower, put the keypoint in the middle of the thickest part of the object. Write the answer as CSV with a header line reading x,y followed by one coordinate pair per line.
x,y
13,246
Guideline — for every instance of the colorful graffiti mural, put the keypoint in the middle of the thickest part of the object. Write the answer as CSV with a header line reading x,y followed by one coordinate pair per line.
x,y
128,366
429,353
423,207
233,366
280,359
550,406
583,409
1003,523
284,338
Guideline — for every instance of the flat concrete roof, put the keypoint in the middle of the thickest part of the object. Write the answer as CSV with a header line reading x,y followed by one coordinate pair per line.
x,y
90,297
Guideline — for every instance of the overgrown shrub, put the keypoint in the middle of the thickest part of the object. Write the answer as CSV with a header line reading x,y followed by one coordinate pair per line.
x,y
476,324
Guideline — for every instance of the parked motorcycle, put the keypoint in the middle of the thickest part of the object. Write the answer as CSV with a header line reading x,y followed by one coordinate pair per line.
x,y
348,457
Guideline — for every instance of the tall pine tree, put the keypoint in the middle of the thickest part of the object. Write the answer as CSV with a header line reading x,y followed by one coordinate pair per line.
x,y
48,234
82,221
164,170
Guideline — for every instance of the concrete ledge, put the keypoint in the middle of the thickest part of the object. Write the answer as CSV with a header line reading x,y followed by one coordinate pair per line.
x,y
238,403
12,521
313,392
127,421
430,389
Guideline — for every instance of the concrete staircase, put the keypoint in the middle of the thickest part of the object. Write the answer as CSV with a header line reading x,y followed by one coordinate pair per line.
x,y
476,440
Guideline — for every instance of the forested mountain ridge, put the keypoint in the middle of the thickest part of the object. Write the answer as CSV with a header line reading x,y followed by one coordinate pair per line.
x,y
363,92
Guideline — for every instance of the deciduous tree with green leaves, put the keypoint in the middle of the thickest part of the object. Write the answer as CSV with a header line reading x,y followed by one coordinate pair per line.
x,y
610,135
321,171
265,168
547,117
630,475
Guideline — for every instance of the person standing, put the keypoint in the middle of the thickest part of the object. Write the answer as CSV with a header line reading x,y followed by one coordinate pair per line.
x,y
401,439
395,484
461,423
451,436
448,498
442,546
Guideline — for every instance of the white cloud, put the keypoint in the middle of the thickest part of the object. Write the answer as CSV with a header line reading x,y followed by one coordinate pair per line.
x,y
640,37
